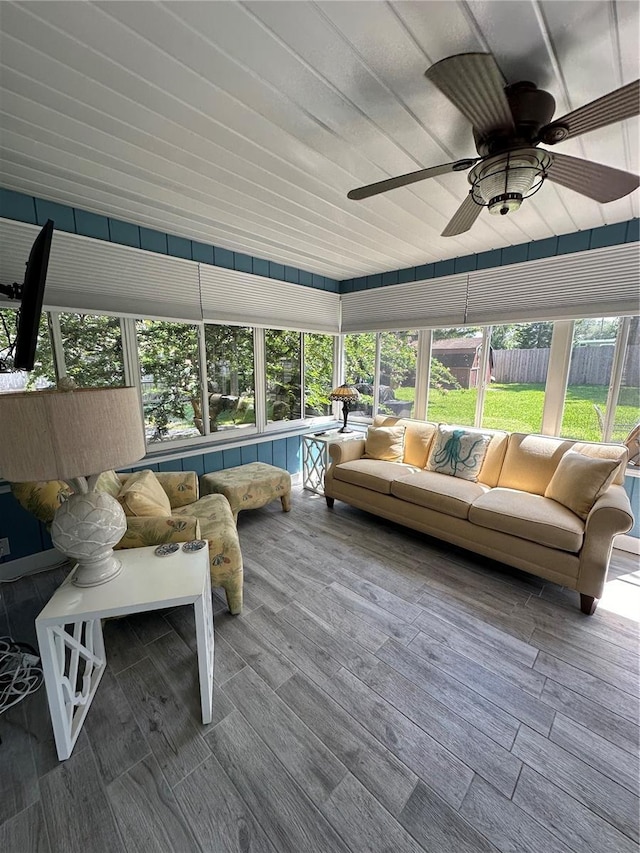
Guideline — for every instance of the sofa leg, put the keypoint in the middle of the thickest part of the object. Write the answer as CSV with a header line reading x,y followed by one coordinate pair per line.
x,y
233,591
588,604
330,501
285,500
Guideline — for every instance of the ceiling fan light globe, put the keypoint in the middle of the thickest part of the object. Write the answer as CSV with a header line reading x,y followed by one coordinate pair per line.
x,y
503,181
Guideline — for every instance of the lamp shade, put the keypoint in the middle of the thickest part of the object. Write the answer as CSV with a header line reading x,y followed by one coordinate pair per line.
x,y
61,435
345,393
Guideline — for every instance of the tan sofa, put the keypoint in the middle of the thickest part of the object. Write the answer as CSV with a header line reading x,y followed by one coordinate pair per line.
x,y
504,515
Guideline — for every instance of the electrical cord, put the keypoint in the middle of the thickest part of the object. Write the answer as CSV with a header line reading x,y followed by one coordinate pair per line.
x,y
20,672
59,565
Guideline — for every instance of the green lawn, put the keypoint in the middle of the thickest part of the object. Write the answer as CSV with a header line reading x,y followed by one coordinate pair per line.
x,y
518,408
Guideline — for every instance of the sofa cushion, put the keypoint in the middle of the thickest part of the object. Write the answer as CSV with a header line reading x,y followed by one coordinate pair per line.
x,y
458,452
441,492
530,462
531,517
417,438
606,451
384,443
142,495
580,480
372,473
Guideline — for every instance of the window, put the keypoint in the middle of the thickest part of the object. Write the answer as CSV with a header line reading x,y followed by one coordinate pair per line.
x,y
360,369
627,406
398,354
592,355
230,378
318,374
43,374
455,362
283,375
170,375
92,347
518,362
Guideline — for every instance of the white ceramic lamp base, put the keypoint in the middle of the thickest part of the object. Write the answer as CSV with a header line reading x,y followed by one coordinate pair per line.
x,y
85,528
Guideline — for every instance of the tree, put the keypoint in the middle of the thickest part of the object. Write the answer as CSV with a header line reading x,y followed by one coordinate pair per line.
x,y
318,374
532,335
43,372
92,347
283,369
397,358
360,358
457,332
168,354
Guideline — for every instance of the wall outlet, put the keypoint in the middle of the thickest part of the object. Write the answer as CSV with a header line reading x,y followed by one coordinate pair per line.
x,y
4,547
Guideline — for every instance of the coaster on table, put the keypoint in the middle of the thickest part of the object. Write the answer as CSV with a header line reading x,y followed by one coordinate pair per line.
x,y
194,545
166,549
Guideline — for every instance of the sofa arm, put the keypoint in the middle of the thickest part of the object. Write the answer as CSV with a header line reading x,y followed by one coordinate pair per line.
x,y
610,515
346,451
143,531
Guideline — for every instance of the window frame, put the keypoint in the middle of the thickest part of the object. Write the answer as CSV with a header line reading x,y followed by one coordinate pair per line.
x,y
556,384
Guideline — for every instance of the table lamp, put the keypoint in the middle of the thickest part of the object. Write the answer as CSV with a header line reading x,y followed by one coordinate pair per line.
x,y
74,436
345,394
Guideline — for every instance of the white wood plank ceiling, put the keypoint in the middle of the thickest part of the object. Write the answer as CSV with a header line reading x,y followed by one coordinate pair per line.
x,y
245,124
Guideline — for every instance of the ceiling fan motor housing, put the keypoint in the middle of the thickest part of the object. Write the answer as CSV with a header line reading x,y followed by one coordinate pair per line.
x,y
532,109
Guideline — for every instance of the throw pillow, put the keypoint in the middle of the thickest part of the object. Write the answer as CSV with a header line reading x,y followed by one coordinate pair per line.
x,y
458,452
385,443
42,499
142,495
109,482
580,480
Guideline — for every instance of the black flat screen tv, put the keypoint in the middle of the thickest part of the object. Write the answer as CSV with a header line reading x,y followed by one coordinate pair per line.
x,y
31,299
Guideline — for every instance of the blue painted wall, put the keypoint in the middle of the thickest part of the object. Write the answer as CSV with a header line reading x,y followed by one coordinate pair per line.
x,y
27,536
580,241
24,208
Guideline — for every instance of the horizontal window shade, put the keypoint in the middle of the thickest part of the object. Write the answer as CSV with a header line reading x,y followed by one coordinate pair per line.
x,y
417,304
229,296
91,275
596,283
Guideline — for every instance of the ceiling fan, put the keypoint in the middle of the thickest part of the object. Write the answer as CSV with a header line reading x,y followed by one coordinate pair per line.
x,y
508,123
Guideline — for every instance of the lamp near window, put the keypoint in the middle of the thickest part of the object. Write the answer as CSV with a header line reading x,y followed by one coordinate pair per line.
x,y
347,395
74,436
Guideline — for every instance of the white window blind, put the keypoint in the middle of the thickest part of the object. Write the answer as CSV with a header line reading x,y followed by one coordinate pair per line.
x,y
596,283
93,275
417,304
229,296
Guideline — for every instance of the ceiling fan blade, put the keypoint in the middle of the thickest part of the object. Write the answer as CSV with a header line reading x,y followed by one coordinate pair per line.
x,y
596,181
616,106
410,178
463,218
475,85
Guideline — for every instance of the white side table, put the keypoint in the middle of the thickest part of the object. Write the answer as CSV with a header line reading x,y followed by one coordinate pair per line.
x,y
315,452
69,630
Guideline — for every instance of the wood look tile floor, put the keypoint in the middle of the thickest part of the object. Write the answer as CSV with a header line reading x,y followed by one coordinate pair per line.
x,y
382,691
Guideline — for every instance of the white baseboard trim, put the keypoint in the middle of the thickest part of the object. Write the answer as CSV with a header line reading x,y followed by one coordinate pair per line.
x,y
30,565
627,543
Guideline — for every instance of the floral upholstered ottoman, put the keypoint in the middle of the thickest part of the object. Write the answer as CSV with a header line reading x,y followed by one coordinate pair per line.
x,y
249,486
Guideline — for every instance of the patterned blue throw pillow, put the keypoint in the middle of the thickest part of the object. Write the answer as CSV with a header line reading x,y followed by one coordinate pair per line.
x,y
458,452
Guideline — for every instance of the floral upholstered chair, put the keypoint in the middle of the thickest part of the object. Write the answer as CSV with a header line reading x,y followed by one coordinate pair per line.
x,y
178,516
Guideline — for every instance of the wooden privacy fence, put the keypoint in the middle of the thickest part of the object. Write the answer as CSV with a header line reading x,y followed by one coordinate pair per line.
x,y
590,365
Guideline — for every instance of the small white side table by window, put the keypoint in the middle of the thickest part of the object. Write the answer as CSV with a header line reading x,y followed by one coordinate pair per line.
x,y
315,451
69,630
